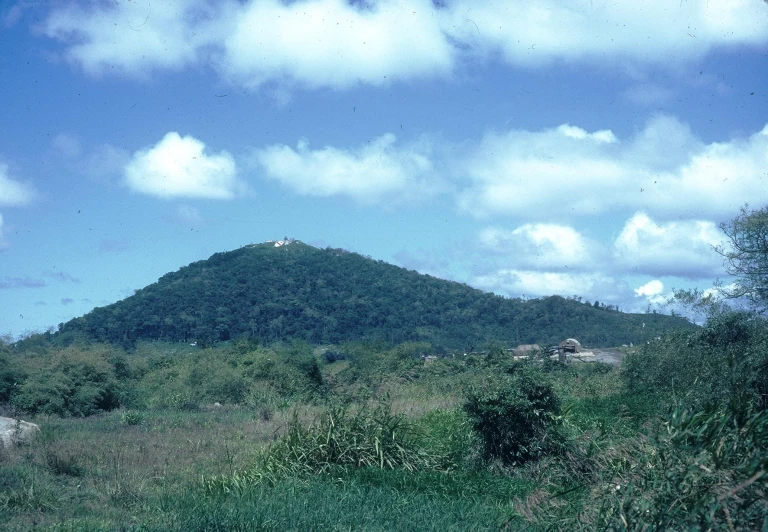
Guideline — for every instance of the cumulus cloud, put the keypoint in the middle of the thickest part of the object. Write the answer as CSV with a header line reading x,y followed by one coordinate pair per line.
x,y
682,249
541,247
526,173
12,192
377,169
180,167
340,43
517,283
652,291
334,43
663,169
535,33
133,38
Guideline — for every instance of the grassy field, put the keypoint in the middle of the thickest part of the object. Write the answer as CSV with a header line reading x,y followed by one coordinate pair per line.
x,y
383,441
146,469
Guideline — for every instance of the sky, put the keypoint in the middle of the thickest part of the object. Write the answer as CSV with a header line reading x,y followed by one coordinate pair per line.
x,y
585,148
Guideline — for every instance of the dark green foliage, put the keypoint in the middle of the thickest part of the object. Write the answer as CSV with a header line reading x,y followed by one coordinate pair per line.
x,y
515,417
73,382
10,376
727,358
300,356
333,296
708,471
333,356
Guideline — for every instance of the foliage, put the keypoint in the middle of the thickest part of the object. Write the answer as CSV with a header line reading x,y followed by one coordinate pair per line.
x,y
746,256
331,296
10,376
515,417
727,358
707,471
75,381
341,439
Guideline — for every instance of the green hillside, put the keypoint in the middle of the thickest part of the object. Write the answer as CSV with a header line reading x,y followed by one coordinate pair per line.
x,y
330,296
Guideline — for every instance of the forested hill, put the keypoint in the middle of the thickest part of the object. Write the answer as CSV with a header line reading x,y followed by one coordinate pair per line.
x,y
331,296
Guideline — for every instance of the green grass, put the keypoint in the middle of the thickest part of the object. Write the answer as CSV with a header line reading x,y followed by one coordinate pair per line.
x,y
364,500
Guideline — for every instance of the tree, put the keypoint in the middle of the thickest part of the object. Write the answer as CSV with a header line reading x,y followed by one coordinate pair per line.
x,y
746,256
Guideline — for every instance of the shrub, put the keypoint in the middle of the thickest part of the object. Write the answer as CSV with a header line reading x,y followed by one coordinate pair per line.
x,y
726,358
707,471
341,440
10,377
76,382
515,417
370,437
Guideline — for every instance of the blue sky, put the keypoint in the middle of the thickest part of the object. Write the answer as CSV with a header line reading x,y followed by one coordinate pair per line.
x,y
527,148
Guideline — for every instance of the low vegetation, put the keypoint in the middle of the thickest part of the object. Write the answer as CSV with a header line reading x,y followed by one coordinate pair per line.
x,y
247,436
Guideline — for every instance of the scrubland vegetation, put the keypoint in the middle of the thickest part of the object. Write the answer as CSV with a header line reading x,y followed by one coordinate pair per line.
x,y
370,437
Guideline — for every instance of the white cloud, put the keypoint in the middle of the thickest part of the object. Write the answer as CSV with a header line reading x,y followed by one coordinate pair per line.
x,y
13,192
535,33
537,173
179,167
682,249
339,43
653,292
332,43
516,283
133,38
541,247
664,170
651,288
375,170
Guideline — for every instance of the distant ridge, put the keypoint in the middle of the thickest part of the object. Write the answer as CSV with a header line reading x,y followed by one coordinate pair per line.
x,y
282,290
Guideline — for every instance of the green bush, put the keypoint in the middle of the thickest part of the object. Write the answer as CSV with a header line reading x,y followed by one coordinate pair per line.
x,y
707,471
340,441
515,417
10,377
726,358
76,382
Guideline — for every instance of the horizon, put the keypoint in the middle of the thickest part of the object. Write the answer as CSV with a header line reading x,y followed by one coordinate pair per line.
x,y
525,150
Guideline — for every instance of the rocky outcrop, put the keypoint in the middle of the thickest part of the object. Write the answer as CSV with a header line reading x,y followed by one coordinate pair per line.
x,y
15,431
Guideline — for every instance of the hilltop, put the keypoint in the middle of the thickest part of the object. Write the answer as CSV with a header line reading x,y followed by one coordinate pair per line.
x,y
290,290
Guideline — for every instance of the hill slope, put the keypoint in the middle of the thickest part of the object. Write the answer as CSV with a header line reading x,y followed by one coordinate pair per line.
x,y
331,296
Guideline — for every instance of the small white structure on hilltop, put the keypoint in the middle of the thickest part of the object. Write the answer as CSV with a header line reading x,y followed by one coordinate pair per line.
x,y
284,242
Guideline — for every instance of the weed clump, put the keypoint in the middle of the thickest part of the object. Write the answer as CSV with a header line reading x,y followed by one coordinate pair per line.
x,y
341,440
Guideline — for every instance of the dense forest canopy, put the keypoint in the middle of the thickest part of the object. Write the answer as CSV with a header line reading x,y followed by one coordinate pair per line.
x,y
323,296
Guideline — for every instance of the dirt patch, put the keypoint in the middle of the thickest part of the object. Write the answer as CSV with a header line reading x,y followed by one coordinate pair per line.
x,y
605,355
